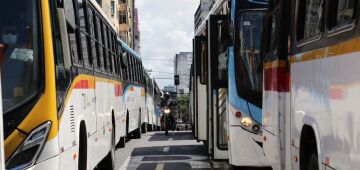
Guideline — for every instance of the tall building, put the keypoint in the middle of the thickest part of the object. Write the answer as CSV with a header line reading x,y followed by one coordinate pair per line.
x,y
136,32
126,21
182,64
121,13
110,9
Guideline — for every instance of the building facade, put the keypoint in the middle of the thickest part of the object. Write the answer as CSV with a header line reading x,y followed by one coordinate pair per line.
x,y
121,13
202,11
136,32
182,66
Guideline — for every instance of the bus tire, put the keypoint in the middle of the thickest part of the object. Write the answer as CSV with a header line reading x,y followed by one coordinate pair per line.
x,y
137,132
82,161
144,128
108,163
122,142
308,149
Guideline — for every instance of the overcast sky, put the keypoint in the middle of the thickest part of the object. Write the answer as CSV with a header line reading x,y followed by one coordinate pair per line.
x,y
166,28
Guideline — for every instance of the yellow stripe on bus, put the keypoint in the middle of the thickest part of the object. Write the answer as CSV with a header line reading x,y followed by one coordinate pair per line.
x,y
345,47
274,64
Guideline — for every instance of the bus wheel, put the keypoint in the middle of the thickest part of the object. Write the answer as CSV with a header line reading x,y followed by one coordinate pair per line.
x,y
108,162
144,128
122,142
82,147
137,132
313,162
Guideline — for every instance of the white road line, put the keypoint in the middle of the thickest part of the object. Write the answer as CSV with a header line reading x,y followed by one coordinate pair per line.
x,y
125,164
171,139
166,149
159,167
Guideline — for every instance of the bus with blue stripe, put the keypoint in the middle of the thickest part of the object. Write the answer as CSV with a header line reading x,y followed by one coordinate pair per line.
x,y
245,82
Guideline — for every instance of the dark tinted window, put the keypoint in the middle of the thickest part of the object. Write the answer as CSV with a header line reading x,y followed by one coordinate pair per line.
x,y
341,12
310,18
249,62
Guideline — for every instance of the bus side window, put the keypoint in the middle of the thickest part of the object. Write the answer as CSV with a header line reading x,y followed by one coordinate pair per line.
x,y
93,49
100,59
310,19
84,36
341,13
105,43
271,34
73,36
129,68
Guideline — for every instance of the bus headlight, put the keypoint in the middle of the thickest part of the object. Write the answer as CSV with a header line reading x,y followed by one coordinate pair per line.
x,y
246,121
29,151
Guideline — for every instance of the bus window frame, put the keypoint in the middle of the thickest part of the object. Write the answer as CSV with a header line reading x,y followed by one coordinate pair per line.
x,y
305,41
338,29
243,91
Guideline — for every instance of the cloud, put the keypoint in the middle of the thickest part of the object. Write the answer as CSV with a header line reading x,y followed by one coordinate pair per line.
x,y
166,28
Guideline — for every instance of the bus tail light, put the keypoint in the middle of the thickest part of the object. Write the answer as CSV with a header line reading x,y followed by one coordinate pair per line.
x,y
29,151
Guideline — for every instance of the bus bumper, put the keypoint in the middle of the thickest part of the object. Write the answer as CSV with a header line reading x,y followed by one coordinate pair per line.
x,y
246,148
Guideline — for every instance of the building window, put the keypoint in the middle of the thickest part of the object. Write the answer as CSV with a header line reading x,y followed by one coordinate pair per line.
x,y
112,7
122,17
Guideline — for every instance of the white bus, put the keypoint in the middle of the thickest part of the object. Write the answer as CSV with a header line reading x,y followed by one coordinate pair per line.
x,y
245,84
72,89
209,80
153,97
311,114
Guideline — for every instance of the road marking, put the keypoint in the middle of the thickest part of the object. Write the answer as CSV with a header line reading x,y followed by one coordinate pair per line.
x,y
125,164
166,149
171,139
159,167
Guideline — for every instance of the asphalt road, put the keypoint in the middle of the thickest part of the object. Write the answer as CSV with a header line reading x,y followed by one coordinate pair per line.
x,y
155,151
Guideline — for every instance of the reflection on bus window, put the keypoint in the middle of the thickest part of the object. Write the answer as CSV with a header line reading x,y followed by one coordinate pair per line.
x,y
248,58
341,12
19,70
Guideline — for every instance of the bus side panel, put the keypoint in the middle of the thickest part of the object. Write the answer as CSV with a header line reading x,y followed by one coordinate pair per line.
x,y
325,95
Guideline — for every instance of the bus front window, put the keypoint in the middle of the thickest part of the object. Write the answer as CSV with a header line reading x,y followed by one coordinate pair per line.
x,y
249,62
19,62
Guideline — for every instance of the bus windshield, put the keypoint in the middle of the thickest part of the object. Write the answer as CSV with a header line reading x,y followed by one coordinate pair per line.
x,y
19,69
248,60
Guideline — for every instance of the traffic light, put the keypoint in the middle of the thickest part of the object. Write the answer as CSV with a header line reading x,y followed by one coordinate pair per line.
x,y
177,80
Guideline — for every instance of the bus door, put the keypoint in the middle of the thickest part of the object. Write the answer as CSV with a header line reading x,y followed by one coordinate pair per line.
x,y
200,87
217,85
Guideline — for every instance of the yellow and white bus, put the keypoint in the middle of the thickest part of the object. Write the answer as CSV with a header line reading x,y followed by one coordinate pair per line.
x,y
72,89
311,91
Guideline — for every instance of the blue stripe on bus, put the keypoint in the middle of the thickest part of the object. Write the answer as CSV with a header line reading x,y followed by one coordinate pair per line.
x,y
239,103
128,49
